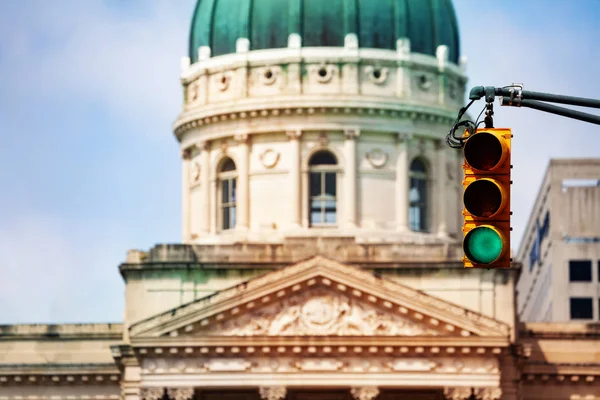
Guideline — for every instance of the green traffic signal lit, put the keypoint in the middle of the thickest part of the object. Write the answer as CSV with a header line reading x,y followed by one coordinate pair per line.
x,y
483,151
483,245
483,198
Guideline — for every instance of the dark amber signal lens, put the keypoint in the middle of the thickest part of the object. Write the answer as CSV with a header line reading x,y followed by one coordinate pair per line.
x,y
483,198
483,151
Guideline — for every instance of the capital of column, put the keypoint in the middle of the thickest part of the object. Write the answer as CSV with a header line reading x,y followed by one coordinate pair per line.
x,y
404,137
272,392
439,144
364,392
180,393
152,393
186,153
203,146
294,134
351,133
242,138
463,393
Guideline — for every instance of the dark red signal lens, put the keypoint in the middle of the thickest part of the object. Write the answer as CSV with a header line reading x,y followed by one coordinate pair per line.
x,y
483,198
483,151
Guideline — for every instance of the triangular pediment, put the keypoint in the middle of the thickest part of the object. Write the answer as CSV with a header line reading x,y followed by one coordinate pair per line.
x,y
319,297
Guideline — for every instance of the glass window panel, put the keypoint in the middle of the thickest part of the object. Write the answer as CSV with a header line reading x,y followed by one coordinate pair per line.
x,y
323,158
329,204
226,221
232,217
315,183
417,166
316,204
330,216
580,270
413,194
228,165
315,216
330,183
233,191
225,191
581,308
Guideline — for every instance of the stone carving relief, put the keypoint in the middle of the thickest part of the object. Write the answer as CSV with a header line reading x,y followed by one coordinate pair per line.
x,y
152,393
272,392
377,75
195,172
180,393
465,393
269,158
377,158
364,392
268,75
193,91
323,73
318,312
424,81
223,81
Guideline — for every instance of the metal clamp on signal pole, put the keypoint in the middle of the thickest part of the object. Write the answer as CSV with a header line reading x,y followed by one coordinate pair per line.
x,y
515,96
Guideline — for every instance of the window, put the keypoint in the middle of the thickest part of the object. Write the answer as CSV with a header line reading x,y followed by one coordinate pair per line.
x,y
323,190
417,196
227,182
580,271
581,308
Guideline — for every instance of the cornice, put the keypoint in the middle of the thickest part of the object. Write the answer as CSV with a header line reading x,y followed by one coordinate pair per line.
x,y
59,374
200,116
320,346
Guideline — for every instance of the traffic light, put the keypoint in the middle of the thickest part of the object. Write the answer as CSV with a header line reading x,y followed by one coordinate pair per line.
x,y
486,199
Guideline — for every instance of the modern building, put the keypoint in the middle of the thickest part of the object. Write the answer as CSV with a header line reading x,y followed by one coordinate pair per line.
x,y
560,252
321,254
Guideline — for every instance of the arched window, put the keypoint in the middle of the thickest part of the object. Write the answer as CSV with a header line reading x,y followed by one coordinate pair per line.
x,y
227,193
323,190
418,196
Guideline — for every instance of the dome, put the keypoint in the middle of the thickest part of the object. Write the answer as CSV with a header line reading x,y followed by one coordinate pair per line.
x,y
377,23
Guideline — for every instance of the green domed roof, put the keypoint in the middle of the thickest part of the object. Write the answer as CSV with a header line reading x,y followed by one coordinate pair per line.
x,y
377,23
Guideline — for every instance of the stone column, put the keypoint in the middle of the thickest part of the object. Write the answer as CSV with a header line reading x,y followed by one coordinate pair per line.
x,y
402,180
295,182
205,187
442,223
272,392
243,194
364,392
180,393
185,195
350,176
214,206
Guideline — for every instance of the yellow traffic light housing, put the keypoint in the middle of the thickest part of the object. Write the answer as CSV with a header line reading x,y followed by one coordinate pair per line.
x,y
486,199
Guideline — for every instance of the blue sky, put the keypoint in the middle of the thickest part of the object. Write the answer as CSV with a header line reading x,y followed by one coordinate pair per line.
x,y
90,167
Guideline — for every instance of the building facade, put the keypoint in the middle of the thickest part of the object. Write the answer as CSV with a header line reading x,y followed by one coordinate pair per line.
x,y
321,252
560,252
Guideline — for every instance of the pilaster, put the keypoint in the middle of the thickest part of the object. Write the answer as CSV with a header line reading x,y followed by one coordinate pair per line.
x,y
351,135
205,186
242,201
185,195
295,177
402,179
441,198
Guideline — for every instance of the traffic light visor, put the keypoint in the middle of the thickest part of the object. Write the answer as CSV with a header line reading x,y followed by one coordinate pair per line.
x,y
483,244
483,198
483,151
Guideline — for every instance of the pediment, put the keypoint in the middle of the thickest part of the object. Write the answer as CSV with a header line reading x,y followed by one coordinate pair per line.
x,y
319,312
319,297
